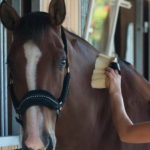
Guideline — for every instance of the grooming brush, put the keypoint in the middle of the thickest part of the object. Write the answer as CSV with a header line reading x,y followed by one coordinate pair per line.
x,y
99,77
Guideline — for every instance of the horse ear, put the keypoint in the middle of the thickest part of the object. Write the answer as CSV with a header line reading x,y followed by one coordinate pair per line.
x,y
57,11
8,16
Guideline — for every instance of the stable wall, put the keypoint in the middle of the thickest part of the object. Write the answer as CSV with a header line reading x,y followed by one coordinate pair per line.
x,y
72,21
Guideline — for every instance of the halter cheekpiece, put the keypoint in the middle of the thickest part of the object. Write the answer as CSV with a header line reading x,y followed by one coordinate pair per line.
x,y
41,97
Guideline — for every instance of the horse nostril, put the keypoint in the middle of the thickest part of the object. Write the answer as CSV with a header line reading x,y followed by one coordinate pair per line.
x,y
34,143
49,145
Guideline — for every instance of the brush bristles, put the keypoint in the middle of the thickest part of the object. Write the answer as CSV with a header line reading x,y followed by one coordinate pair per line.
x,y
98,77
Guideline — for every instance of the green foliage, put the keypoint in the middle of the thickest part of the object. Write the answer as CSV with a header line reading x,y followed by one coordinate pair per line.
x,y
99,16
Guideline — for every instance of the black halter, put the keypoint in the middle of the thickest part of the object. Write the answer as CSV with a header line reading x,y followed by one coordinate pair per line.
x,y
41,97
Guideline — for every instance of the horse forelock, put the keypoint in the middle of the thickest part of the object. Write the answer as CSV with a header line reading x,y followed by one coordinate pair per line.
x,y
33,25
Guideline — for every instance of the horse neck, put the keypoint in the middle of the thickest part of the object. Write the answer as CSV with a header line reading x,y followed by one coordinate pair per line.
x,y
82,58
82,55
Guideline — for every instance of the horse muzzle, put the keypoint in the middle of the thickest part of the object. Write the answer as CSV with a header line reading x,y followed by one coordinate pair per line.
x,y
47,144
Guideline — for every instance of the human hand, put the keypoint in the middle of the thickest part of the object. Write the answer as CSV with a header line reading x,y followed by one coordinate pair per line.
x,y
113,80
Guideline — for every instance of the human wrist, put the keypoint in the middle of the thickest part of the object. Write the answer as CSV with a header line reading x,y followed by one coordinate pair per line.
x,y
115,92
115,97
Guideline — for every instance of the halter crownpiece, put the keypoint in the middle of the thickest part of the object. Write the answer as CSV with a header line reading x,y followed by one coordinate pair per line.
x,y
42,97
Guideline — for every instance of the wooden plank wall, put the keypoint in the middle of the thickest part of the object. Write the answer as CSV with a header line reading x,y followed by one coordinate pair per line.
x,y
72,21
9,148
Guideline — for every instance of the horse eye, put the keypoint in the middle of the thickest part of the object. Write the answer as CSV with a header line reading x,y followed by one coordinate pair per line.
x,y
62,63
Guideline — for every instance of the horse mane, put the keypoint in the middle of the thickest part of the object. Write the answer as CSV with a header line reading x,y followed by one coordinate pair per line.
x,y
81,39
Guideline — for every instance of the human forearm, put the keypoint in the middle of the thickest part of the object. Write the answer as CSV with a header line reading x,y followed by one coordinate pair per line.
x,y
121,120
128,132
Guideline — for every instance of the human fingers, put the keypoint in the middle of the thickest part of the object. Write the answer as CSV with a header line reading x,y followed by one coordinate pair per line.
x,y
114,72
109,74
110,70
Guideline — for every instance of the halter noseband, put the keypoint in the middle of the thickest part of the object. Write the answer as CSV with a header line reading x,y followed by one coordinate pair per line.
x,y
41,97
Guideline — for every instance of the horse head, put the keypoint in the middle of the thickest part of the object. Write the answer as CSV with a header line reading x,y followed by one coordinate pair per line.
x,y
38,66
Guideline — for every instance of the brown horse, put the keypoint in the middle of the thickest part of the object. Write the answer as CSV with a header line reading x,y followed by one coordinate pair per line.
x,y
38,61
